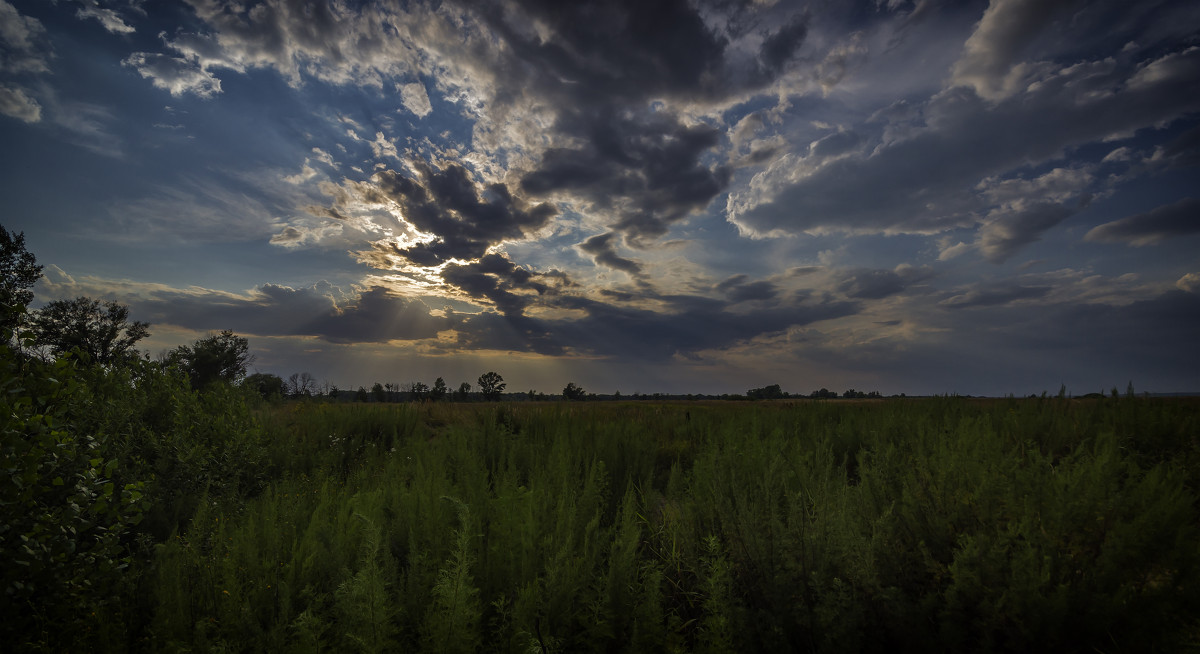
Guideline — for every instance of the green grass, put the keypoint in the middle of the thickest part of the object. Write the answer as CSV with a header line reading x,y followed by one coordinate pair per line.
x,y
945,524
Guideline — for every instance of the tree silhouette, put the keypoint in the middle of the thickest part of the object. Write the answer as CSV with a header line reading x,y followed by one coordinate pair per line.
x,y
491,384
420,391
101,330
573,392
215,358
18,273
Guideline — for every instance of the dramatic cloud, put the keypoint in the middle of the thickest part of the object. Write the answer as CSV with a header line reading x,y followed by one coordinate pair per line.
x,y
601,247
939,173
1178,219
644,172
991,62
914,196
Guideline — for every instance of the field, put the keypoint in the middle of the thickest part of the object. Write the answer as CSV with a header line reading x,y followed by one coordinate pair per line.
x,y
942,524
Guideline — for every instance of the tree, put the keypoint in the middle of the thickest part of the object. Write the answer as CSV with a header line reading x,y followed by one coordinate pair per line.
x,y
267,385
301,384
772,392
18,273
378,392
573,392
439,390
491,384
360,395
463,392
420,391
215,358
101,330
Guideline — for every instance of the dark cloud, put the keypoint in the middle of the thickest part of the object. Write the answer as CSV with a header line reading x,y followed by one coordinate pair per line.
x,y
1178,219
494,278
601,248
995,295
645,171
835,144
870,284
1002,237
874,284
465,222
614,50
696,324
780,46
378,315
738,288
1008,27
933,178
322,310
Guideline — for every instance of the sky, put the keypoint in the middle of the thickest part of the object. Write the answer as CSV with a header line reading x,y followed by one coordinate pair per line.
x,y
676,196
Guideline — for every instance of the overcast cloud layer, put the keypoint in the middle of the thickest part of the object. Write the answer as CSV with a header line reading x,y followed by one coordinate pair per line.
x,y
678,196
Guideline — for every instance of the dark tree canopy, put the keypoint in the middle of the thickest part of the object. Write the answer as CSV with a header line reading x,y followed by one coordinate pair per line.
x,y
772,392
215,358
18,273
573,392
101,330
439,390
267,385
420,391
491,384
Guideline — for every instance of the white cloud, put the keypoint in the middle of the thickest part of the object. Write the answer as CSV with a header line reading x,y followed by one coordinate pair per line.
x,y
415,99
382,147
107,17
990,60
174,74
24,47
14,102
1190,283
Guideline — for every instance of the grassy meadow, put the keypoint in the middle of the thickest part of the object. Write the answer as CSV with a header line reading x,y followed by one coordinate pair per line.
x,y
943,524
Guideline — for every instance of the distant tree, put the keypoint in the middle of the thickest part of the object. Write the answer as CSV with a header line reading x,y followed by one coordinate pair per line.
x,y
301,384
101,330
267,385
420,391
19,271
215,358
378,393
360,395
491,384
333,391
573,392
439,390
617,395
772,392
463,392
